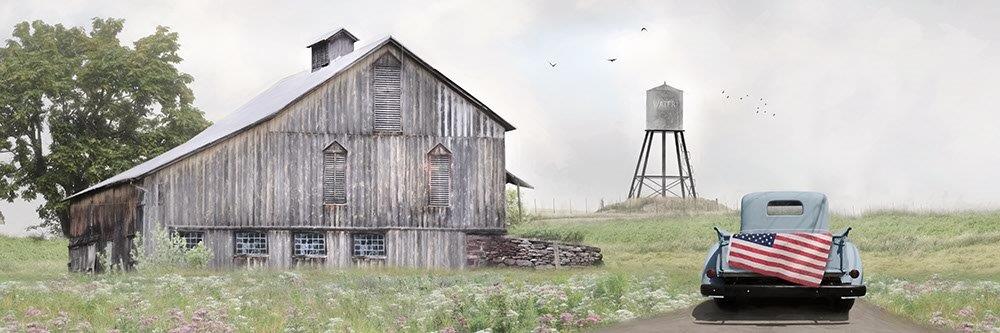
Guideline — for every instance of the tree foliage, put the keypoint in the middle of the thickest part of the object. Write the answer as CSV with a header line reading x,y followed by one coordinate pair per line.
x,y
78,107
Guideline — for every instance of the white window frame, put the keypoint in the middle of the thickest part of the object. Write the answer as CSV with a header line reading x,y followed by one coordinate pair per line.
x,y
254,236
368,245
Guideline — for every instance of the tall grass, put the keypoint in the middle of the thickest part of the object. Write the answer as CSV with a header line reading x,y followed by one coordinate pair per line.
x,y
651,266
32,258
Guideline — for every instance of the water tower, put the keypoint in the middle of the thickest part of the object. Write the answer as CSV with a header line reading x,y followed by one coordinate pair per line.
x,y
664,117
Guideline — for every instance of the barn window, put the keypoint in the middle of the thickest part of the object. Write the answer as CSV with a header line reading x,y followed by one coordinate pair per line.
x,y
335,174
439,160
161,193
251,243
309,244
387,95
191,238
368,245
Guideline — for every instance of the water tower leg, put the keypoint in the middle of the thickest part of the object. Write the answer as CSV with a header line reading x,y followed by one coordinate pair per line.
x,y
663,164
635,175
680,168
687,160
645,163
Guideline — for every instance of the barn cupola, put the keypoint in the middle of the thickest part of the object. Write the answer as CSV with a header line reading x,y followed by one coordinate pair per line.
x,y
330,46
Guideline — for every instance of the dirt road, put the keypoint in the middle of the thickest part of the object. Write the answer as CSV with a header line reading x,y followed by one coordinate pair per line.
x,y
772,317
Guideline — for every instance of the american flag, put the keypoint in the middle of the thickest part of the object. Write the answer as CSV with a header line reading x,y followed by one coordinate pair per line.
x,y
798,257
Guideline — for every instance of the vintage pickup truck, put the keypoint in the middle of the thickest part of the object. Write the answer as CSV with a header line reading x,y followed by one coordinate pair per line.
x,y
784,212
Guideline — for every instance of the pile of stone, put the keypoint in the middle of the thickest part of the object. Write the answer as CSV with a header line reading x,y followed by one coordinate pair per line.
x,y
505,251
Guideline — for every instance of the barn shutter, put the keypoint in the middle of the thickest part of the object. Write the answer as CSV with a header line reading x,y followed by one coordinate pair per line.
x,y
320,56
335,174
387,93
440,176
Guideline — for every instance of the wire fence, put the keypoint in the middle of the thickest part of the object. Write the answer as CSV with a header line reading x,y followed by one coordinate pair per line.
x,y
567,207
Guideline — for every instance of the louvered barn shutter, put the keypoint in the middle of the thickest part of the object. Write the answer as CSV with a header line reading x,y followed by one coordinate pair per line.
x,y
388,117
334,178
440,180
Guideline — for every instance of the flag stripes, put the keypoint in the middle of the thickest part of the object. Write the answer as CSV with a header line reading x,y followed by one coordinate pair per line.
x,y
799,258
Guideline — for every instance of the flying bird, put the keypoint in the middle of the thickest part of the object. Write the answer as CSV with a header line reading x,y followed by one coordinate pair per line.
x,y
643,29
612,59
723,91
552,64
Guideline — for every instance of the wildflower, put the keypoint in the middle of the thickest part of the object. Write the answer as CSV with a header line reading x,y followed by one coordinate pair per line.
x,y
546,319
566,317
990,319
967,311
184,329
938,319
544,329
623,315
32,312
147,321
449,329
33,328
83,326
199,315
61,320
176,314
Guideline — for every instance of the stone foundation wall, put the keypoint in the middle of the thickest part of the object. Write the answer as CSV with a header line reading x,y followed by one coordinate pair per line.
x,y
505,251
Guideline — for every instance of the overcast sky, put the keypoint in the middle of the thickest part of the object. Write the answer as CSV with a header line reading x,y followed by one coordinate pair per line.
x,y
878,105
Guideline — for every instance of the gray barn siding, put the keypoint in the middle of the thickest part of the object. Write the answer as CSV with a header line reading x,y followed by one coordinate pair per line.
x,y
338,253
221,244
270,175
413,248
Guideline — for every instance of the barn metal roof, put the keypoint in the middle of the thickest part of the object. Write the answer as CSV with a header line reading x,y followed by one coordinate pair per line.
x,y
268,104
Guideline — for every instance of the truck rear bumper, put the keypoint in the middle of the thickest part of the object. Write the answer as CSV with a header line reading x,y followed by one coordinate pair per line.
x,y
781,291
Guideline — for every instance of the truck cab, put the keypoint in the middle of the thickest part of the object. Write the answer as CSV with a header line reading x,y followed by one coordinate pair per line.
x,y
784,212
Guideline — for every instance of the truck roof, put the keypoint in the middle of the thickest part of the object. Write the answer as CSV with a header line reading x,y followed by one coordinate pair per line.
x,y
784,211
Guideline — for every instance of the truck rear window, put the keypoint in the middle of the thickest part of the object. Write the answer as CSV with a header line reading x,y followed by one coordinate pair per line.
x,y
784,207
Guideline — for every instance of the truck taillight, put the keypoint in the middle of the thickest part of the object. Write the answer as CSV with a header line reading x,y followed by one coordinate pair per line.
x,y
711,273
854,274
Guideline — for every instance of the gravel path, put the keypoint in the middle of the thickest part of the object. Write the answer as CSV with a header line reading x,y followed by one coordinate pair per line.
x,y
773,316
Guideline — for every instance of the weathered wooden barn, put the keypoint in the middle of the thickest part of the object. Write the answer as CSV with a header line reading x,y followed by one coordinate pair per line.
x,y
372,157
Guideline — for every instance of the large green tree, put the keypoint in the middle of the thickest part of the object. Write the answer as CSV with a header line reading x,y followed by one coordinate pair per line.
x,y
77,107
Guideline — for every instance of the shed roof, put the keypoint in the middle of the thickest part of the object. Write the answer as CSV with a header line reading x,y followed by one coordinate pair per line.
x,y
514,180
329,34
268,104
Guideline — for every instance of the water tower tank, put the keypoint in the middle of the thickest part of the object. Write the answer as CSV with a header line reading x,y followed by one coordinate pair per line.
x,y
665,109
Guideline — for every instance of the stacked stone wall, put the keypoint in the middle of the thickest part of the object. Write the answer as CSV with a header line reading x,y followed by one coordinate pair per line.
x,y
506,251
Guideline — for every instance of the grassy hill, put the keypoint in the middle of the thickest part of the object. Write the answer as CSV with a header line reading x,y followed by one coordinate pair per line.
x,y
938,269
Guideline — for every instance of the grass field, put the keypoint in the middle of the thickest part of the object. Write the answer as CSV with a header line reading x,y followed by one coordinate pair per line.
x,y
937,269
